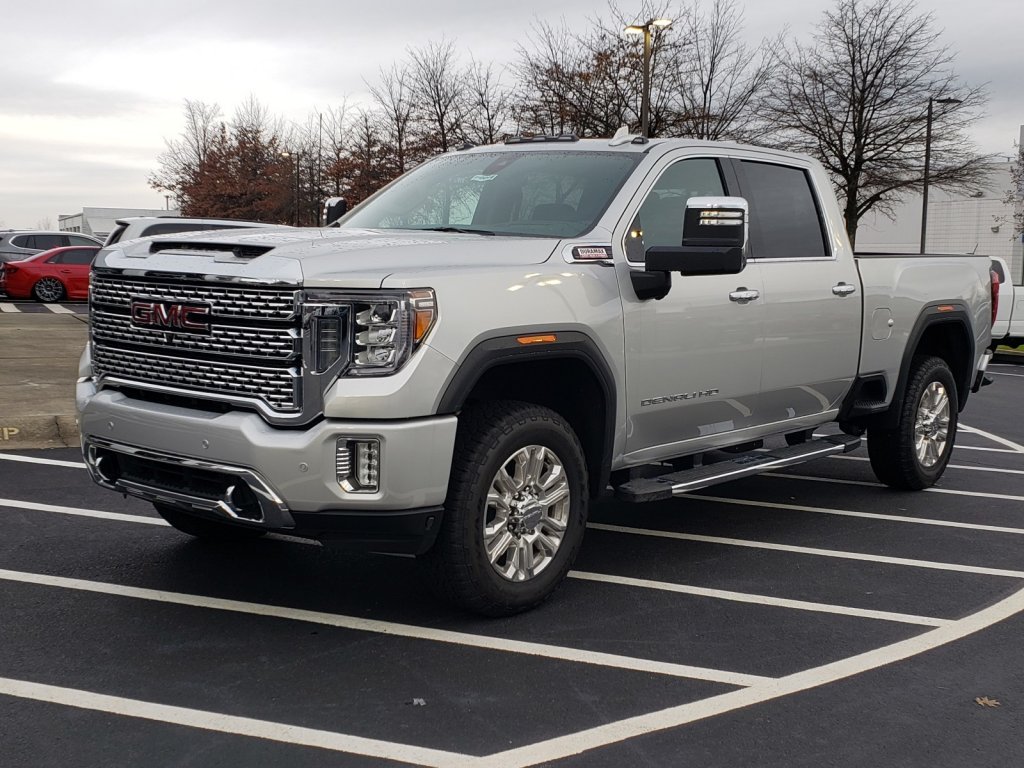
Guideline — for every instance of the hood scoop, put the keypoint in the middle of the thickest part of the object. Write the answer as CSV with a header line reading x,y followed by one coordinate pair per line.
x,y
212,249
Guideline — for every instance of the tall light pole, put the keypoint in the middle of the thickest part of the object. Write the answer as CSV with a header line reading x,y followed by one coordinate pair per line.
x,y
645,97
295,157
927,163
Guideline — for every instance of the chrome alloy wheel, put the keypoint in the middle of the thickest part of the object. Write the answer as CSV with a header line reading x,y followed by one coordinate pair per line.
x,y
931,427
527,512
49,289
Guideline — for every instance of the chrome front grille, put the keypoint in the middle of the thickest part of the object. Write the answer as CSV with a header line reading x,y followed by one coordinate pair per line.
x,y
280,343
225,301
251,353
275,386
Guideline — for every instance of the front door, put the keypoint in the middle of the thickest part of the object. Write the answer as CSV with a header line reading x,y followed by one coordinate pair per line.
x,y
693,358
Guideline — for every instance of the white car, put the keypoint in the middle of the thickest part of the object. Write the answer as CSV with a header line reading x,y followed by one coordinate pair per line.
x,y
1008,326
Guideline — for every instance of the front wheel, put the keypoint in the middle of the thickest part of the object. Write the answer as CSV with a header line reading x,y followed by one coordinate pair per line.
x,y
516,509
914,454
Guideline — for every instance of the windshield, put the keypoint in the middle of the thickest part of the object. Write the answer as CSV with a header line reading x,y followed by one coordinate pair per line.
x,y
539,194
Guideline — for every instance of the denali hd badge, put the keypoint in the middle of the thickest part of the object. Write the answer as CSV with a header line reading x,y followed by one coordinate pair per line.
x,y
183,318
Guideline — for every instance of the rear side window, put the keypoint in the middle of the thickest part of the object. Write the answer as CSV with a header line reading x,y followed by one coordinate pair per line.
x,y
76,240
785,221
79,256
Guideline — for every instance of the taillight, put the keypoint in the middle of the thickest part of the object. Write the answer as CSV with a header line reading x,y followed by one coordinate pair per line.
x,y
994,276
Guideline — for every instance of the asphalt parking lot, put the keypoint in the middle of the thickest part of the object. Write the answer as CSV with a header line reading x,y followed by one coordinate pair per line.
x,y
806,618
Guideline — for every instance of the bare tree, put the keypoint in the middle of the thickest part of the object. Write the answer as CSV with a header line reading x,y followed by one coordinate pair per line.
x,y
181,161
1014,197
437,79
720,78
857,97
488,104
395,97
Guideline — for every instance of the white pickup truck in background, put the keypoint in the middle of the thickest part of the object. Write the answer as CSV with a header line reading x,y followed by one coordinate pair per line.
x,y
1008,326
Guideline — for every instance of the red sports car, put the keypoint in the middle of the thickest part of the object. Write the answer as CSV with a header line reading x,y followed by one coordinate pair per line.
x,y
51,275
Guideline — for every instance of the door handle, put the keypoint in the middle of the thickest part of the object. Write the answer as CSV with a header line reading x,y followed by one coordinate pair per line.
x,y
65,271
843,289
743,295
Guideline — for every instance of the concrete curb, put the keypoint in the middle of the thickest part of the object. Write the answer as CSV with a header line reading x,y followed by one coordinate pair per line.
x,y
34,432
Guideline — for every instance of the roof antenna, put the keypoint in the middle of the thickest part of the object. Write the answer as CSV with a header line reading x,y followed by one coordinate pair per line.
x,y
622,136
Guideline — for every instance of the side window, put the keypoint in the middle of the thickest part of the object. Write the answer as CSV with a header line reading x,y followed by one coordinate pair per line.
x,y
80,240
24,241
46,242
79,256
785,222
58,258
660,218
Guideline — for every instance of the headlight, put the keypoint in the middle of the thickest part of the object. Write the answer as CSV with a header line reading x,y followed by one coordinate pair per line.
x,y
378,332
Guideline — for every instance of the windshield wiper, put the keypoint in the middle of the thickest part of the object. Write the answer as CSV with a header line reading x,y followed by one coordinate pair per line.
x,y
463,230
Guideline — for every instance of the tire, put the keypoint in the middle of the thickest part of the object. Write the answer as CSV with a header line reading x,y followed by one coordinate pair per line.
x,y
202,528
914,454
48,289
519,487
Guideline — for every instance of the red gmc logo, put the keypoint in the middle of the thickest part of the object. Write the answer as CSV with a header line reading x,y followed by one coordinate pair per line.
x,y
190,318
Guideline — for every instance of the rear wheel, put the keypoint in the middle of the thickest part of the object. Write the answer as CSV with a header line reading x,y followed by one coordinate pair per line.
x,y
48,289
202,528
516,509
914,454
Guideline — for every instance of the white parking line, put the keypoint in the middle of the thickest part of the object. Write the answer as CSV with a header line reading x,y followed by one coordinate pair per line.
x,y
978,448
867,484
840,554
673,717
358,624
948,466
59,309
221,723
5,307
1017,447
37,507
867,515
39,460
744,597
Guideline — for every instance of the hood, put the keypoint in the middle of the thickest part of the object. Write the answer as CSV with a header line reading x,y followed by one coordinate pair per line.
x,y
354,258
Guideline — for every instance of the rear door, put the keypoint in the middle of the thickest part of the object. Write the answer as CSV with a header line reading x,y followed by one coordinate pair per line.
x,y
811,297
693,358
75,268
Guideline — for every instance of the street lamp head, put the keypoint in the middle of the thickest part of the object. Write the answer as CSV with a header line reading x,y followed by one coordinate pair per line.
x,y
634,29
949,101
661,23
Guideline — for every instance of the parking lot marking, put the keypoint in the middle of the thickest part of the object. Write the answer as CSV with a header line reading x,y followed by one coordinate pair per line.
x,y
358,624
978,448
37,460
5,307
37,507
866,515
866,484
673,717
948,466
743,597
994,438
842,555
59,309
222,723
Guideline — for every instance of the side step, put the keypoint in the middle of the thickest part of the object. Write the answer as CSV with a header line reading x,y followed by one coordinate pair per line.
x,y
677,483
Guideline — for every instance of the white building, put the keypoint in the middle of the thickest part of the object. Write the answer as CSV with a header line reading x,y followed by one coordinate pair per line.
x,y
99,222
957,223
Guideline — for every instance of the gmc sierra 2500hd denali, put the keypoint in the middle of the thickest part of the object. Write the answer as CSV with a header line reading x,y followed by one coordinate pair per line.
x,y
504,333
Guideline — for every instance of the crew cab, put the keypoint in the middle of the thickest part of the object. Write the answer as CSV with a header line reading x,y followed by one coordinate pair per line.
x,y
507,332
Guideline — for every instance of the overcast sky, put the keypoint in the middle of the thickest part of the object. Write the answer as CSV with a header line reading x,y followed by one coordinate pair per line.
x,y
89,92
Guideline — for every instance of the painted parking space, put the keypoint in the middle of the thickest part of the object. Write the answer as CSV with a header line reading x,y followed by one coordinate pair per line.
x,y
15,306
726,606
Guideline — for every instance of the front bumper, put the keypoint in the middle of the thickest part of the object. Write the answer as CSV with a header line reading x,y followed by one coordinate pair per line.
x,y
235,467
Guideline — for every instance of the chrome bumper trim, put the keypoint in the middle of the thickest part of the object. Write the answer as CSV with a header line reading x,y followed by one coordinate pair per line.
x,y
274,511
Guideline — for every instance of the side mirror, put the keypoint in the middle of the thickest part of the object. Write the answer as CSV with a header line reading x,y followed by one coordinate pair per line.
x,y
714,237
334,209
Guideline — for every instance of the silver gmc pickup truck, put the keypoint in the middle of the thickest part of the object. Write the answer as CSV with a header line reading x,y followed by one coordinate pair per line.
x,y
507,332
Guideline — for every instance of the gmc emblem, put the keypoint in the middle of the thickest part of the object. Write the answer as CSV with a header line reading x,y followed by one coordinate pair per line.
x,y
185,318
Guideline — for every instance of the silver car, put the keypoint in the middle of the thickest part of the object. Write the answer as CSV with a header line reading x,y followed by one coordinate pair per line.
x,y
18,244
